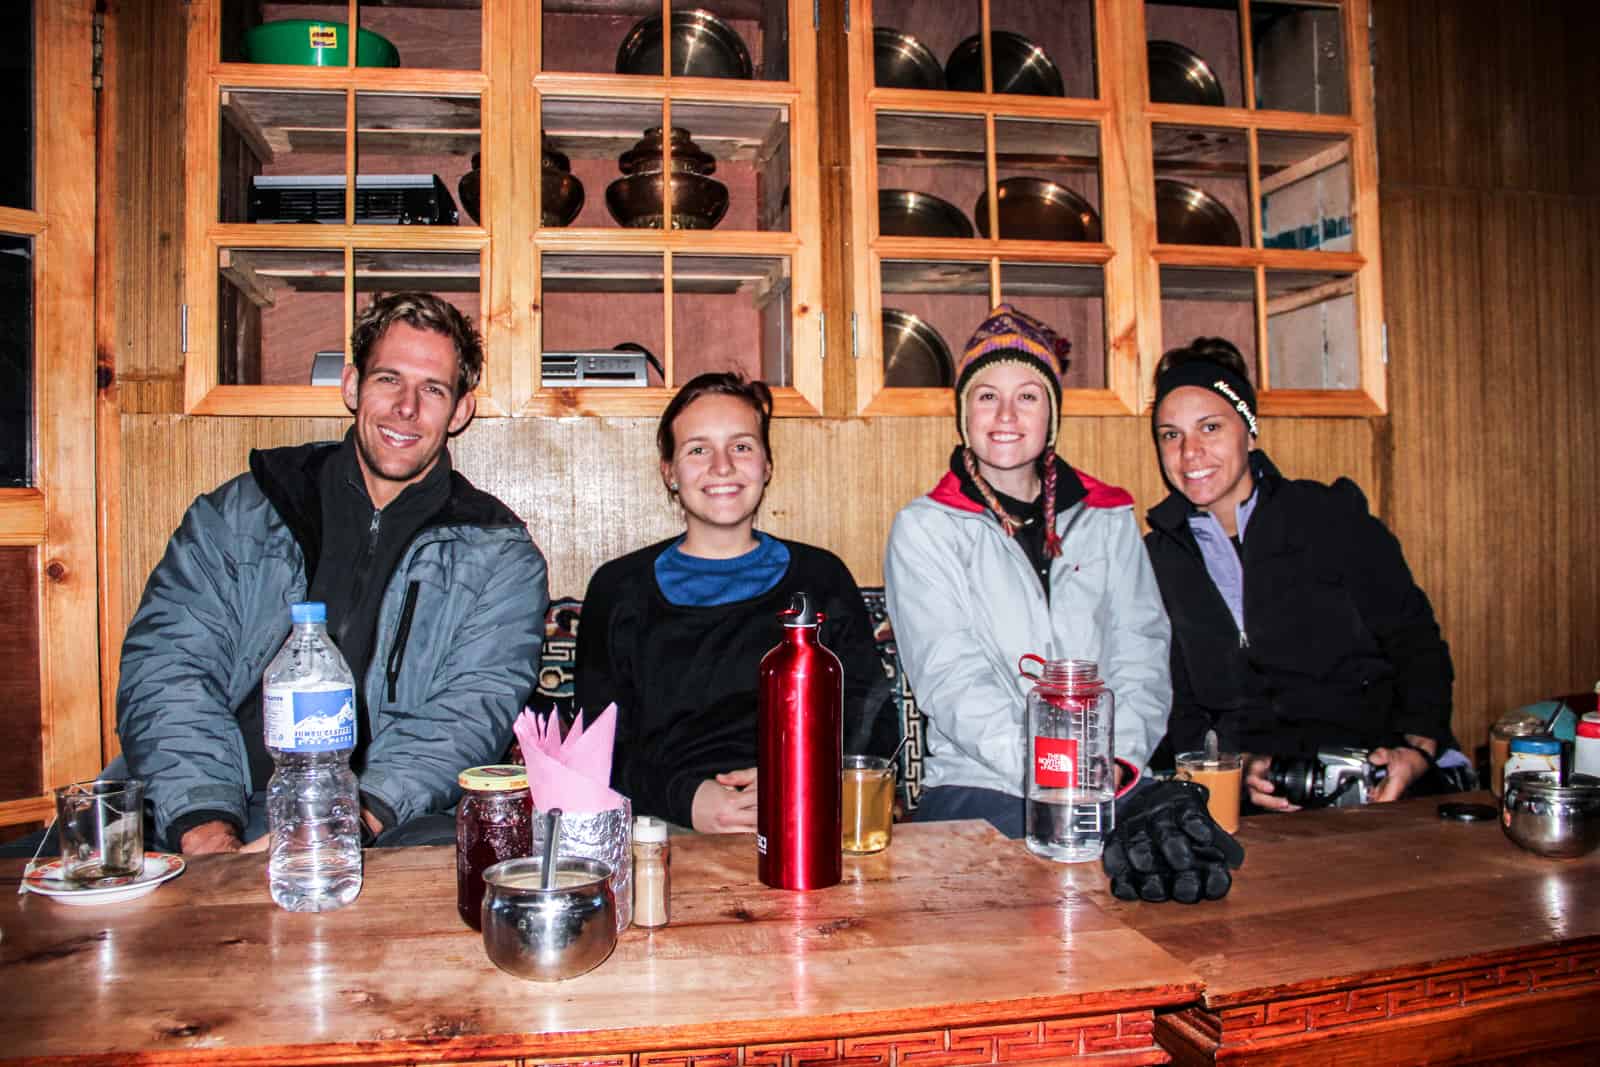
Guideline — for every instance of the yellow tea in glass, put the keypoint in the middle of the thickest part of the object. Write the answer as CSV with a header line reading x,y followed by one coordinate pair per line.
x,y
868,788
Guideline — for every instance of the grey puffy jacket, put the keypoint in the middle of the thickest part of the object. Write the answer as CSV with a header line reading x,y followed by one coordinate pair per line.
x,y
441,692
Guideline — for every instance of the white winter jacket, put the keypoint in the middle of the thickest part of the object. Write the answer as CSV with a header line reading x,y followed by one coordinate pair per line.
x,y
966,604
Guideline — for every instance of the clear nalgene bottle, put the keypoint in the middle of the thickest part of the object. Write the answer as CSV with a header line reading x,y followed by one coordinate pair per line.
x,y
1071,777
308,704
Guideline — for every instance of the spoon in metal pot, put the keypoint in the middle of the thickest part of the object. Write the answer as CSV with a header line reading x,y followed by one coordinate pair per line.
x,y
552,840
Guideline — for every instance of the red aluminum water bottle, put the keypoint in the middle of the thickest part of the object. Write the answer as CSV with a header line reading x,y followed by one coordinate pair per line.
x,y
801,745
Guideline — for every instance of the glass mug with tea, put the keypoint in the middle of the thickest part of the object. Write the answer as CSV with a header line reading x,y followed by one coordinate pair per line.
x,y
102,830
867,784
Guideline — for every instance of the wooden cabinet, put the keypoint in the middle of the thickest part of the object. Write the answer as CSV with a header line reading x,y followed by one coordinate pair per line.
x,y
1240,203
1150,172
487,167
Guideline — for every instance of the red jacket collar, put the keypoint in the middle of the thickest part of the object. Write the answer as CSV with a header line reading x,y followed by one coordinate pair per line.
x,y
1100,494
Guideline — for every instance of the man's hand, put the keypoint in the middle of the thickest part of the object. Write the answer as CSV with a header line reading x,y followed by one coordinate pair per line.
x,y
726,804
1262,793
214,836
1404,765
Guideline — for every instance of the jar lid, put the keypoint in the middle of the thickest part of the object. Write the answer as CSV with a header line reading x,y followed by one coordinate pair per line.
x,y
1538,746
649,829
1589,725
495,778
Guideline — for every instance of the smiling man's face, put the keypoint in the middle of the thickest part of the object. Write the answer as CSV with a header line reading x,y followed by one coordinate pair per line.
x,y
405,406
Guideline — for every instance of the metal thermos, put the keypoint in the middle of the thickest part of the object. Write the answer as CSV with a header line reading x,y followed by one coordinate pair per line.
x,y
801,747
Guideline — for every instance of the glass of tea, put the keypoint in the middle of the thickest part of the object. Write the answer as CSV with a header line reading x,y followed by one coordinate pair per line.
x,y
868,788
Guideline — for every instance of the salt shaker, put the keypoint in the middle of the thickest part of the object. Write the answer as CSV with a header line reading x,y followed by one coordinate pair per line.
x,y
652,872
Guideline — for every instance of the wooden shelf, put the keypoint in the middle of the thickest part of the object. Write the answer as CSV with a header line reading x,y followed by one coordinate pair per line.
x,y
264,274
278,121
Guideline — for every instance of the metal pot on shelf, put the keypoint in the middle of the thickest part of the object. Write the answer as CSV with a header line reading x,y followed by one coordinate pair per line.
x,y
698,200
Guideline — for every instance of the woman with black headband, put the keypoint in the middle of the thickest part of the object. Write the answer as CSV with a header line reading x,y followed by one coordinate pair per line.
x,y
1296,624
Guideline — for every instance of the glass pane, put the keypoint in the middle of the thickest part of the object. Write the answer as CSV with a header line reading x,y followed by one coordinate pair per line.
x,y
929,311
1043,49
912,38
1194,55
16,82
16,361
281,156
737,39
1305,192
710,39
1311,330
21,703
604,320
454,277
731,313
315,35
930,173
584,140
412,155
1048,181
1202,186
1199,302
749,157
1070,298
1300,57
280,316
446,36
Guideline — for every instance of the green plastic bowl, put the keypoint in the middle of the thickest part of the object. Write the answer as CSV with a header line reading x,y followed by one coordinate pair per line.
x,y
314,43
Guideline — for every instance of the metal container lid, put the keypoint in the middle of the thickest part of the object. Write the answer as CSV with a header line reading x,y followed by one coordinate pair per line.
x,y
494,778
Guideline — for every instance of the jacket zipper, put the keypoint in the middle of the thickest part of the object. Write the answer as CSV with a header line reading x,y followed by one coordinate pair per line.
x,y
397,651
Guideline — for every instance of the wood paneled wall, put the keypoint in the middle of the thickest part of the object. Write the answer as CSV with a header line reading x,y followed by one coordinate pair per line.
x,y
1489,151
1487,466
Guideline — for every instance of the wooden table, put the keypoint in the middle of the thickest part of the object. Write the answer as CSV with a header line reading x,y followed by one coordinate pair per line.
x,y
954,948
1383,935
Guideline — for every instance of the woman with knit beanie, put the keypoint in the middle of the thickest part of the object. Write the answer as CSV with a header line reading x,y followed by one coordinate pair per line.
x,y
1014,552
1296,624
674,632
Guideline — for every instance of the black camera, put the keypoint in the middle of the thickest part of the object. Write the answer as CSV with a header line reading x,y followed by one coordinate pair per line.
x,y
1334,777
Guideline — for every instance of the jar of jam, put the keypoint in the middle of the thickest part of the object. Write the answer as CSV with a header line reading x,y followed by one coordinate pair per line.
x,y
494,822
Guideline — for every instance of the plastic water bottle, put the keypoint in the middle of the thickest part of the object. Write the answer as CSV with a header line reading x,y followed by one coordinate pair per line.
x,y
313,807
1070,776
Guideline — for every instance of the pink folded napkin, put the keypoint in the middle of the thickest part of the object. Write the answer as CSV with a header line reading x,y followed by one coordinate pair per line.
x,y
571,773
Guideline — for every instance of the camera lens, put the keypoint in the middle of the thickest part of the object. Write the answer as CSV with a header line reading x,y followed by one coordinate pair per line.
x,y
1295,780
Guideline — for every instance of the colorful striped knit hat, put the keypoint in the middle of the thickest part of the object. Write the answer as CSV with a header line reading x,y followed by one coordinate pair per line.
x,y
1012,336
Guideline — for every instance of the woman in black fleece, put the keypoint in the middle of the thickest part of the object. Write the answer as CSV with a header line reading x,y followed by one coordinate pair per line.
x,y
674,632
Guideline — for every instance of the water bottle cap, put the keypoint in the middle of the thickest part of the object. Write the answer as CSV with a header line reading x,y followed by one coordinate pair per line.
x,y
308,611
800,611
1538,746
650,830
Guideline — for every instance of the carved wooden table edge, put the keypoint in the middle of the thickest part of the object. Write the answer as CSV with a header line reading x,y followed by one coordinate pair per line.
x,y
1105,1030
1429,1006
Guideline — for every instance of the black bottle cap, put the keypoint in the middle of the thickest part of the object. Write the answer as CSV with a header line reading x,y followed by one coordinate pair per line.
x,y
800,612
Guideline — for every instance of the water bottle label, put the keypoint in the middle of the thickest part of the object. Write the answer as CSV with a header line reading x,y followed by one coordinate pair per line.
x,y
310,721
1055,762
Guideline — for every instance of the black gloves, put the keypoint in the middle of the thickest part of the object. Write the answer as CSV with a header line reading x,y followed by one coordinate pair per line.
x,y
1166,846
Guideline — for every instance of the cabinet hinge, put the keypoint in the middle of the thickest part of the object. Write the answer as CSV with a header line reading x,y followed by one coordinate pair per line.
x,y
97,58
183,328
855,348
846,16
1383,342
822,335
816,14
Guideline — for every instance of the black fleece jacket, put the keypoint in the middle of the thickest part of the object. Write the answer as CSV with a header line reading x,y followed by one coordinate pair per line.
x,y
1340,646
684,678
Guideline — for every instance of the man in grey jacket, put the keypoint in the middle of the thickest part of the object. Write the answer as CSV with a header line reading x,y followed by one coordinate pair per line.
x,y
436,596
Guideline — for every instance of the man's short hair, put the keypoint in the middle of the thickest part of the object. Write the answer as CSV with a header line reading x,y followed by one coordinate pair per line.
x,y
422,311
